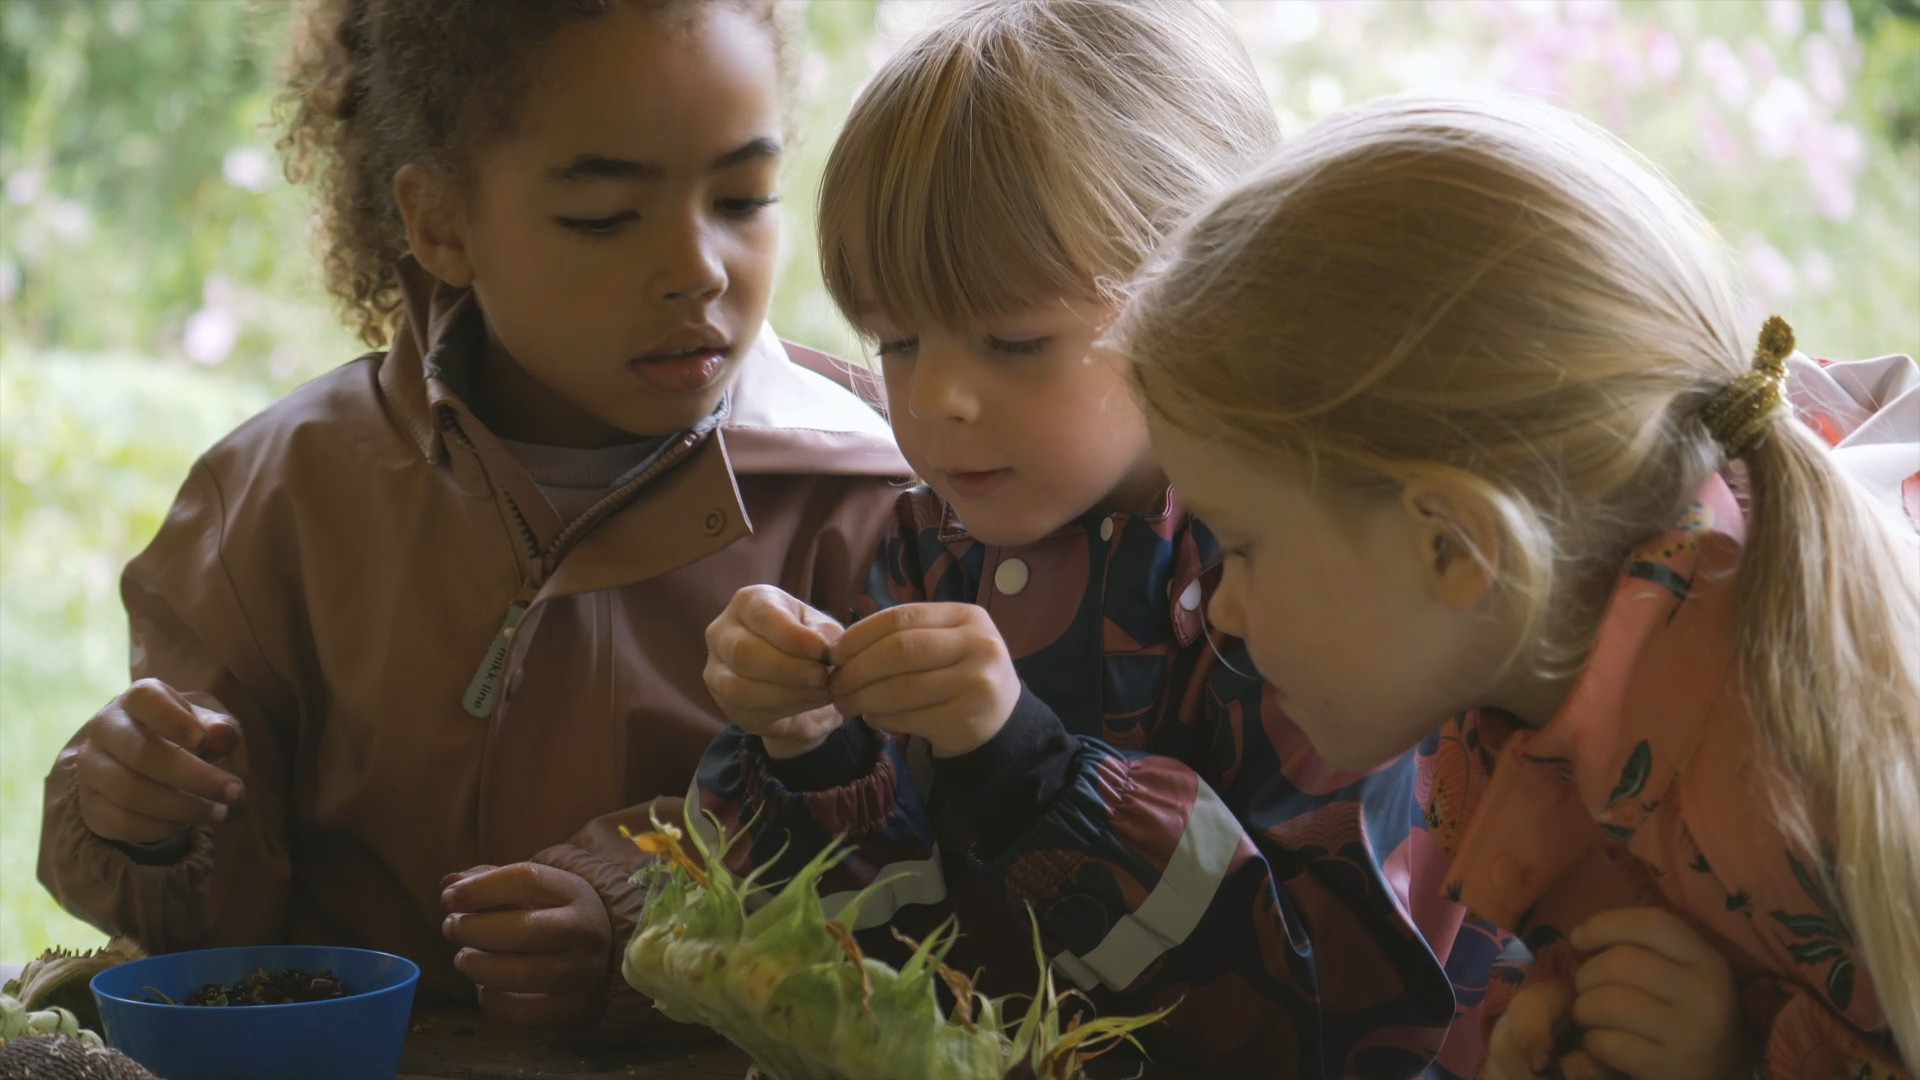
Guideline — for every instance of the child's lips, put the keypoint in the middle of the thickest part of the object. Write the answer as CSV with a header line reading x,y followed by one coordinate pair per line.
x,y
680,373
977,484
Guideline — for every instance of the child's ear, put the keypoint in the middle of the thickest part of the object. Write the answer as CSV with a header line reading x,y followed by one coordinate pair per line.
x,y
434,224
1459,539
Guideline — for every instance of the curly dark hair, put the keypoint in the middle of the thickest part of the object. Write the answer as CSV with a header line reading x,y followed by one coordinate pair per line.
x,y
373,85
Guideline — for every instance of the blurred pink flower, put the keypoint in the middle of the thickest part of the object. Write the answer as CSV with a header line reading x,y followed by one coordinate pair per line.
x,y
1762,66
210,335
1824,71
1773,275
1780,117
1724,69
1837,20
1593,15
1716,143
1834,154
1624,64
1527,68
1786,17
1665,57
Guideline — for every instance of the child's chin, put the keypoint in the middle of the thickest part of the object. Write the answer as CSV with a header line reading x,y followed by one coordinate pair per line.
x,y
1001,526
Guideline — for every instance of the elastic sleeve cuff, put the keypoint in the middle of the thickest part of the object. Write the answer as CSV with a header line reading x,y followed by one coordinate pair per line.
x,y
846,756
1004,786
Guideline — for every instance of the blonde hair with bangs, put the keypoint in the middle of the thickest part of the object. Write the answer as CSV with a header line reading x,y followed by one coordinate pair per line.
x,y
1492,292
1025,149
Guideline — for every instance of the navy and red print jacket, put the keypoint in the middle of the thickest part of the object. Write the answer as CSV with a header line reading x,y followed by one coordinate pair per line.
x,y
1176,837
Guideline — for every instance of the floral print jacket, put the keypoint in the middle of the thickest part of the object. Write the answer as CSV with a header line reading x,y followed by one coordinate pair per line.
x,y
1643,789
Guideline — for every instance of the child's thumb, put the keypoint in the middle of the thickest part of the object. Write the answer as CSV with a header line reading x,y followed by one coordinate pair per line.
x,y
825,625
222,734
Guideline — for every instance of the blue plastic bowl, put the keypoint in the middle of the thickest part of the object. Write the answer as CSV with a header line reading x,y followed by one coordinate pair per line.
x,y
358,1037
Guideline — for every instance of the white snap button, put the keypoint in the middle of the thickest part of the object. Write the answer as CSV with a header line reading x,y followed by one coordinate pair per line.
x,y
1106,527
1010,577
1190,596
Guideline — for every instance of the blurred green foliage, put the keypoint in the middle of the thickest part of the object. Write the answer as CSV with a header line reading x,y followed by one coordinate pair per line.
x,y
157,285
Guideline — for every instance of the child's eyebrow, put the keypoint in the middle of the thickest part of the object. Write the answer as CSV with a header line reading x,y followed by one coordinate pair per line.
x,y
601,167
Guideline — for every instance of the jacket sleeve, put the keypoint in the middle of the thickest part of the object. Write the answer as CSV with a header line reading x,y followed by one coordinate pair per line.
x,y
225,884
1292,911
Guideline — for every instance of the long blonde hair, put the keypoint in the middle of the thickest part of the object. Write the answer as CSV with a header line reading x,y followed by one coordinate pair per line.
x,y
1024,149
1494,290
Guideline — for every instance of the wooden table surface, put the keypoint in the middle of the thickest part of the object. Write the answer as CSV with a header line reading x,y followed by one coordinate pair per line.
x,y
460,1044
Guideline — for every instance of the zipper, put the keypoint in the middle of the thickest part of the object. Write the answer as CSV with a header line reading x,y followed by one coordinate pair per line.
x,y
483,689
665,459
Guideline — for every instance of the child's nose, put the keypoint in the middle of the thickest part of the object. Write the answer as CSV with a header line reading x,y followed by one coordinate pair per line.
x,y
1224,610
692,268
939,393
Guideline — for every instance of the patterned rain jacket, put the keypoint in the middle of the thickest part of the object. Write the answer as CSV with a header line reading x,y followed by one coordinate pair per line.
x,y
1642,790
1175,836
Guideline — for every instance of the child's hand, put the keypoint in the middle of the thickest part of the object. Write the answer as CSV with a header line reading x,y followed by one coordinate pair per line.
x,y
1656,1000
767,669
939,671
1528,1035
535,939
144,768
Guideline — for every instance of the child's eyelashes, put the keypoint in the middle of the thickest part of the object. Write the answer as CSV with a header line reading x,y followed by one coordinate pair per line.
x,y
601,227
748,207
905,346
1022,347
901,346
597,227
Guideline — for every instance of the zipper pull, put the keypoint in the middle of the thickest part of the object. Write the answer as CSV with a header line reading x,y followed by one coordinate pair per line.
x,y
486,681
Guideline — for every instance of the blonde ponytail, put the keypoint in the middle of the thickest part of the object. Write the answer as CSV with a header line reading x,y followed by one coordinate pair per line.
x,y
1494,289
1829,625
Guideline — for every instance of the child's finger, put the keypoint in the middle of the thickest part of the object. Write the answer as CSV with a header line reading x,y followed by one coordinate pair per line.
x,y
812,724
520,885
167,763
1632,966
754,657
862,635
104,817
747,701
826,626
1623,1051
1650,928
1525,1036
521,930
779,619
160,709
222,734
462,875
1624,1008
531,973
903,652
132,791
901,699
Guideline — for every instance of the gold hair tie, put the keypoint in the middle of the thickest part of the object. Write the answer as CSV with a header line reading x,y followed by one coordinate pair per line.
x,y
1747,405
